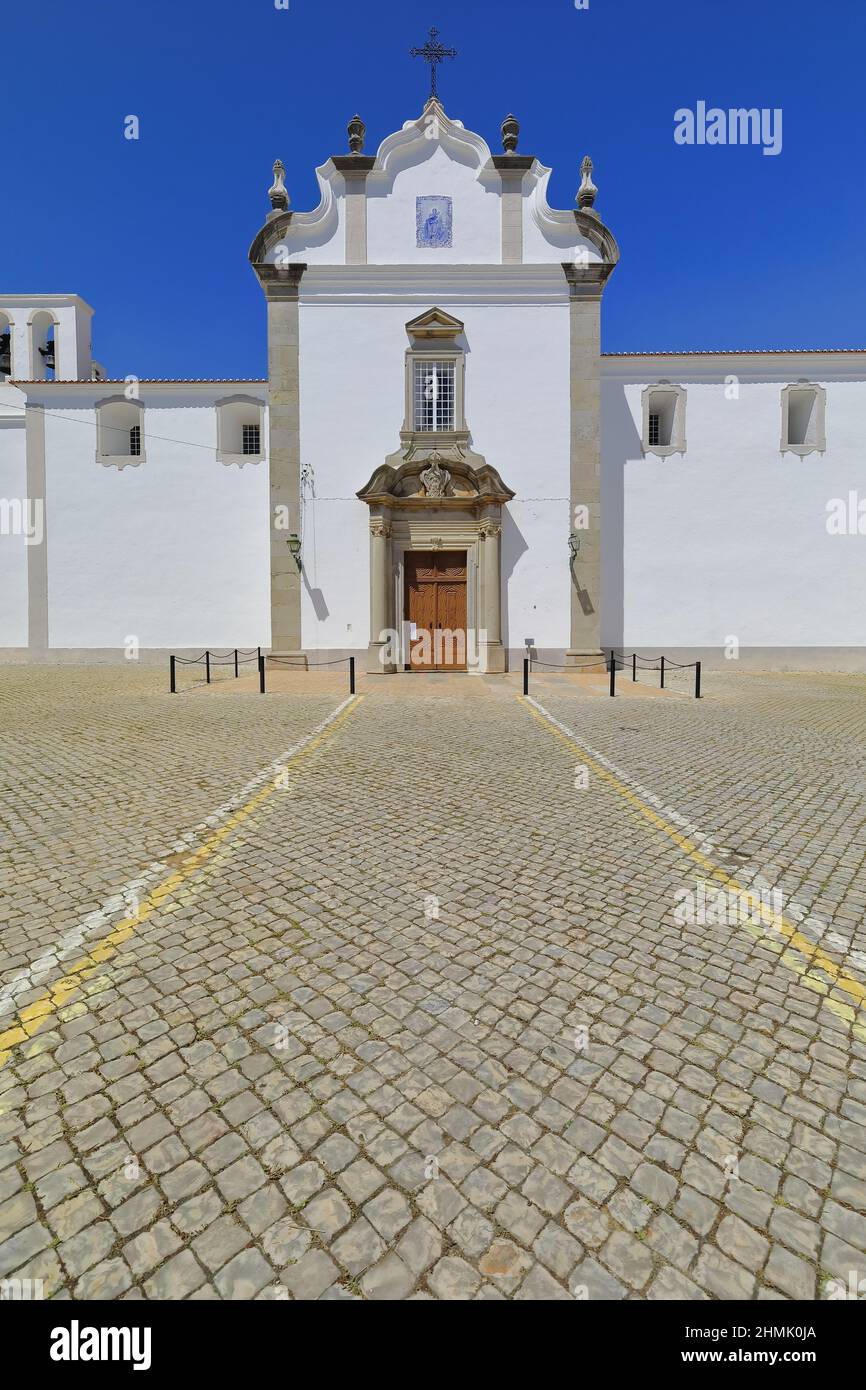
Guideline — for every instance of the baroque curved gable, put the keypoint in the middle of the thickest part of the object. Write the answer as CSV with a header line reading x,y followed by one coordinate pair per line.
x,y
432,159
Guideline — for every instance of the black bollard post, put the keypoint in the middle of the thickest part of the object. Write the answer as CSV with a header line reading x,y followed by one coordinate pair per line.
x,y
207,666
351,675
261,675
697,680
613,673
172,682
236,663
662,669
526,675
634,666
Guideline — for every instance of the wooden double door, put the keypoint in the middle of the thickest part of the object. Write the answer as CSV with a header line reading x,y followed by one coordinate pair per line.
x,y
435,607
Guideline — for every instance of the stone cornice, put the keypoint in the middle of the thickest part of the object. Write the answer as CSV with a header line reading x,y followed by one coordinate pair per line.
x,y
587,281
423,285
779,367
513,163
280,281
353,165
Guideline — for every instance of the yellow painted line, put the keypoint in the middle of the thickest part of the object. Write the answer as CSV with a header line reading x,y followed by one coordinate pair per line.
x,y
34,1017
786,929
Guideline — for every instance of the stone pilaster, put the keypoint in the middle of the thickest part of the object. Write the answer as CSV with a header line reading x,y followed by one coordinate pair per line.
x,y
493,653
355,168
37,555
381,651
281,286
586,285
512,167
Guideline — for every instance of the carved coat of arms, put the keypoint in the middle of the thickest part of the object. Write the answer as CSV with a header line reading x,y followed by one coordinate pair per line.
x,y
435,478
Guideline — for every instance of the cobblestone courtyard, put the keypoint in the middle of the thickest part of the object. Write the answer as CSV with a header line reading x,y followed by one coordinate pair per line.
x,y
402,1005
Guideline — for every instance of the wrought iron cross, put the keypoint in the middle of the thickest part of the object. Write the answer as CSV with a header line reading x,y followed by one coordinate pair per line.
x,y
433,53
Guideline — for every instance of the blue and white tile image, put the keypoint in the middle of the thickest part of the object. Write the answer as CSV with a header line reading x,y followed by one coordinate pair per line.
x,y
433,220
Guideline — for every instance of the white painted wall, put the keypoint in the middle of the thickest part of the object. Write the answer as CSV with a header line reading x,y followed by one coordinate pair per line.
x,y
391,225
517,408
13,549
174,551
731,538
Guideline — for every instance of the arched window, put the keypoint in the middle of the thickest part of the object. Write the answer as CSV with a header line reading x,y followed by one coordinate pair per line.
x,y
119,431
44,346
5,347
240,430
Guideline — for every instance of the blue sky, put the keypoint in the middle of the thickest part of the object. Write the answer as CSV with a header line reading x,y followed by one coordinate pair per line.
x,y
722,247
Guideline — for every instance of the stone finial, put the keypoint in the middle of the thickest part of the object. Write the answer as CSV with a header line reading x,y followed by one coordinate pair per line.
x,y
357,135
510,134
277,191
587,193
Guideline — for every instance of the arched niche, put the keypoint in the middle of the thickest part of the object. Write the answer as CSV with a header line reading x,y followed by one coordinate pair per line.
x,y
44,346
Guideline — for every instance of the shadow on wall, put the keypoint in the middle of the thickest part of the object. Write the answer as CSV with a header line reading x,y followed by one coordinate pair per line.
x,y
513,546
308,532
317,598
620,444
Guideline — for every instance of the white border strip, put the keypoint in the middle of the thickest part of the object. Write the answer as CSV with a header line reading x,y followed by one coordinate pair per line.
x,y
688,827
744,873
127,900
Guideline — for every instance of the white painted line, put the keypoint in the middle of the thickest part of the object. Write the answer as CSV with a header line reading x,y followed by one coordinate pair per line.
x,y
682,823
812,928
127,900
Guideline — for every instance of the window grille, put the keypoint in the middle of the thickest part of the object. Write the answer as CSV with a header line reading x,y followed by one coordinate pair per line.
x,y
135,441
251,439
654,431
434,395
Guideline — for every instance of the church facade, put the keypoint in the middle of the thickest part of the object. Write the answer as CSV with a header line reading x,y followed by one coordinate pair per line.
x,y
442,468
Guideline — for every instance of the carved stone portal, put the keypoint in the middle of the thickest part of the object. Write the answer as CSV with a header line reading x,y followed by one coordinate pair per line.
x,y
416,503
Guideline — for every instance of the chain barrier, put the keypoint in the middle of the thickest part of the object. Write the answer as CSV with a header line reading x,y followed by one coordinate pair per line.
x,y
240,656
621,660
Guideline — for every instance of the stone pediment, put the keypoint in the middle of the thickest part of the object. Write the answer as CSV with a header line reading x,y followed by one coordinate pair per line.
x,y
427,476
435,323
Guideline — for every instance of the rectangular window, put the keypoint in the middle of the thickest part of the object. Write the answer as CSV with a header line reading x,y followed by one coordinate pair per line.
x,y
802,411
434,395
251,440
135,441
653,428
